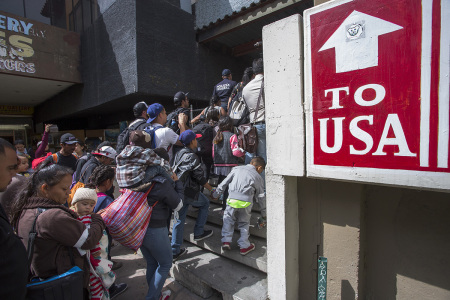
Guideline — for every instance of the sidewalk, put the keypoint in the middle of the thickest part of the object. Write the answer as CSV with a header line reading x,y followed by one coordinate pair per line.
x,y
133,273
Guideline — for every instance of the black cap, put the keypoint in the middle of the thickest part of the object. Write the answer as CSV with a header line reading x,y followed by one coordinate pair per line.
x,y
226,72
179,96
68,138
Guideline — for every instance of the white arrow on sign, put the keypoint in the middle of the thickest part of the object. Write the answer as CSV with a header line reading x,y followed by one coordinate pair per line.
x,y
356,41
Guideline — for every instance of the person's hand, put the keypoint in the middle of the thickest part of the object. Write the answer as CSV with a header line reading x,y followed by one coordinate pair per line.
x,y
47,127
174,177
101,211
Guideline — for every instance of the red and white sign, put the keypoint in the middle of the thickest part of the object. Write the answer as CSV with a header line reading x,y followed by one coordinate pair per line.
x,y
377,91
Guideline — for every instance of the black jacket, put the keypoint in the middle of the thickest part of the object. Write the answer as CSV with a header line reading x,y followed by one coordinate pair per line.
x,y
88,168
169,195
13,262
189,170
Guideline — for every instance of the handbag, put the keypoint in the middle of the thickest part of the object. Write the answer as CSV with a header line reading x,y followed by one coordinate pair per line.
x,y
246,133
128,216
68,285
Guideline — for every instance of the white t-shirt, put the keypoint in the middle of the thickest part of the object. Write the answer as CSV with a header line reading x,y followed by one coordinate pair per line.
x,y
165,137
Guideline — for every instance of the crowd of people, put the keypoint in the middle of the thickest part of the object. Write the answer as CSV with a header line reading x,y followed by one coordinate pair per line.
x,y
169,157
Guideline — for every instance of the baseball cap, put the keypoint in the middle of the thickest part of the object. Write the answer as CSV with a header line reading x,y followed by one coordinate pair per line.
x,y
226,72
68,138
153,111
106,151
140,138
179,96
187,136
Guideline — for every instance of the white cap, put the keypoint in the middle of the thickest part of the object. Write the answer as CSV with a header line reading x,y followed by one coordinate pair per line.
x,y
107,151
84,194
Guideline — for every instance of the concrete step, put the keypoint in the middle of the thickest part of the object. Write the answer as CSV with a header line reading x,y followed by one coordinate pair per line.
x,y
256,259
205,273
215,217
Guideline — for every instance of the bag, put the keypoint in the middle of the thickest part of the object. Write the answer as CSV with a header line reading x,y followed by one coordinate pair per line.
x,y
127,218
151,131
68,285
124,137
172,118
246,133
239,112
247,137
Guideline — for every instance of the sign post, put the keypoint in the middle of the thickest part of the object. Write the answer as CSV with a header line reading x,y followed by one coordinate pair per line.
x,y
377,92
322,267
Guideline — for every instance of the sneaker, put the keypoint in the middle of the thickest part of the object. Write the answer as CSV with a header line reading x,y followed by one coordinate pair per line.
x,y
117,289
226,246
116,265
244,251
165,295
177,256
206,234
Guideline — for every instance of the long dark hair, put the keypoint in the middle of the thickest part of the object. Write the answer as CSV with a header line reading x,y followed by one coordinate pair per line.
x,y
100,175
248,73
225,124
47,173
212,116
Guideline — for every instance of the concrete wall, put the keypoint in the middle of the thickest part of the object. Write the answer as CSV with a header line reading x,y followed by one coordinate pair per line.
x,y
137,50
381,242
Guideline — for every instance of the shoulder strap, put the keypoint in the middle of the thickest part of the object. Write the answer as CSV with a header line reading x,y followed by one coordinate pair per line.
x,y
261,92
175,167
31,238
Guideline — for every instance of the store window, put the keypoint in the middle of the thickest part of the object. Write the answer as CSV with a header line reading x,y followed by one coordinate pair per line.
x,y
50,12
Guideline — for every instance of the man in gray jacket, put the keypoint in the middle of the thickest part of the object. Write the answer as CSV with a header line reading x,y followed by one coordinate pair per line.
x,y
244,184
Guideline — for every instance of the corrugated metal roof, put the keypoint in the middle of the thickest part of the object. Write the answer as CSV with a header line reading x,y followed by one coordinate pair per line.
x,y
253,30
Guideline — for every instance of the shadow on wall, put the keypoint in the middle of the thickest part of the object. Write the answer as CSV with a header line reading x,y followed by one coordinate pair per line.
x,y
407,244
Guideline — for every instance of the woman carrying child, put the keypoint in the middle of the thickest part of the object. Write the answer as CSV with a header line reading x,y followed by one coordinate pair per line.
x,y
58,228
226,152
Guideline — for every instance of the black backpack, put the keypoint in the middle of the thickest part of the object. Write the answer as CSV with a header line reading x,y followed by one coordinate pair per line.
x,y
172,118
205,142
124,137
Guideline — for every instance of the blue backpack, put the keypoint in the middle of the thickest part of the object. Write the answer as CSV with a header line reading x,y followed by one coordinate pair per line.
x,y
151,130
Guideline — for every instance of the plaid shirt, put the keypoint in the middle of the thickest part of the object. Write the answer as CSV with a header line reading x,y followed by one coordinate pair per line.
x,y
132,163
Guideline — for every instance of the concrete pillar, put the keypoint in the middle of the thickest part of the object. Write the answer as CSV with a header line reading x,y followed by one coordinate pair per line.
x,y
282,50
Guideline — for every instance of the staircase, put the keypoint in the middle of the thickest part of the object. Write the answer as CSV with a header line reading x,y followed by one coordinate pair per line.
x,y
213,273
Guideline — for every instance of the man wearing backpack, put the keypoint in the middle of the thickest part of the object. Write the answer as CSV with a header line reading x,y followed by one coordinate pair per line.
x,y
65,156
164,137
223,89
140,113
181,102
251,94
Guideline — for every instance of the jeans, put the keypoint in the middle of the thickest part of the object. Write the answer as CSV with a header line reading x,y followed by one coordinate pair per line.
x,y
261,150
202,203
156,251
152,171
242,217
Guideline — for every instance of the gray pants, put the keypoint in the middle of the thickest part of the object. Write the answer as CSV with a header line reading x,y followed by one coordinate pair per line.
x,y
242,217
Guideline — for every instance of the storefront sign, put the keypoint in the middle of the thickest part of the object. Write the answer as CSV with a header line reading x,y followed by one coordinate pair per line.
x,y
33,49
377,91
16,110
